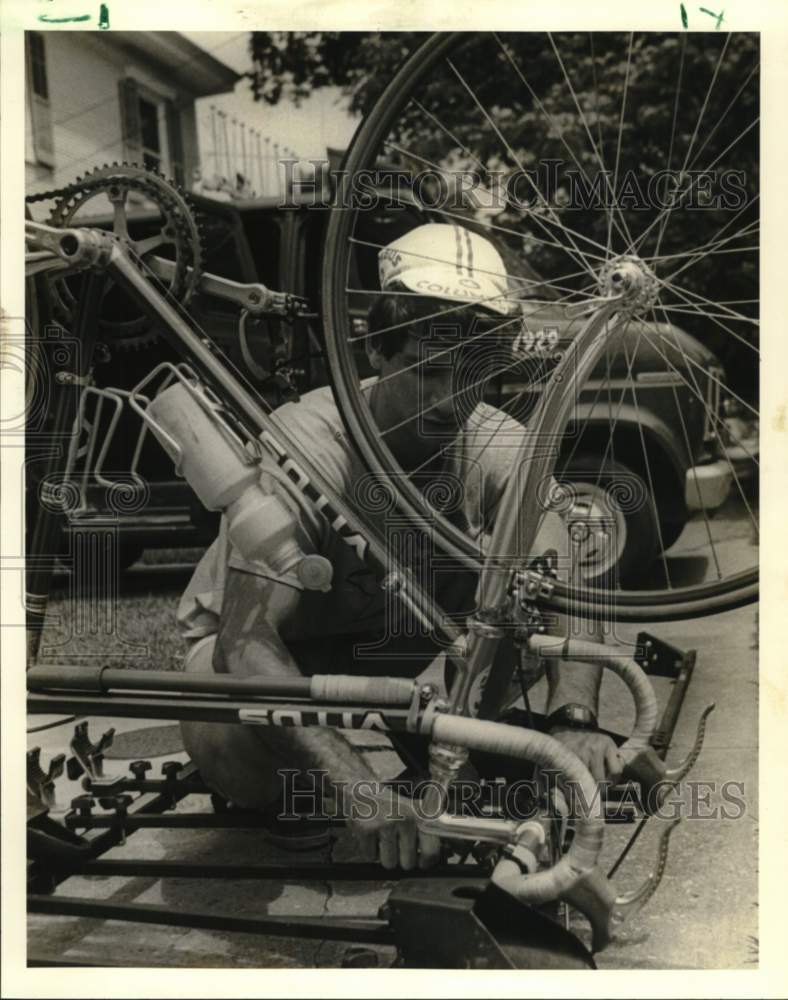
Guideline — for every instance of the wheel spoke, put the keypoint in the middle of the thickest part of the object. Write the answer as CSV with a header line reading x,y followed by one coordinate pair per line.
x,y
649,476
722,229
713,378
461,305
516,159
618,143
673,206
475,338
676,103
714,249
459,143
712,252
630,365
596,97
557,128
724,114
720,442
445,449
701,505
698,311
709,89
684,295
584,121
751,229
571,293
501,409
497,227
696,392
690,298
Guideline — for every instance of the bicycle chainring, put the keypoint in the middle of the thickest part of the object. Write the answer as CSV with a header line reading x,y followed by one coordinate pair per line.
x,y
121,322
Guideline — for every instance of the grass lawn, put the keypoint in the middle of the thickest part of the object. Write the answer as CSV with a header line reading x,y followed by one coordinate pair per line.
x,y
135,628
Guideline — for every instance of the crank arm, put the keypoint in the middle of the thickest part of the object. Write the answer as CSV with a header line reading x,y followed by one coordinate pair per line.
x,y
76,248
256,299
44,262
595,897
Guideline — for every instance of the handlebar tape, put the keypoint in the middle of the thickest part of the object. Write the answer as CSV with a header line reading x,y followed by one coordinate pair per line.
x,y
548,753
619,662
345,687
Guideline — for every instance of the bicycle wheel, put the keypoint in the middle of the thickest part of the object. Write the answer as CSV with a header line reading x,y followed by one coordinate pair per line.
x,y
571,153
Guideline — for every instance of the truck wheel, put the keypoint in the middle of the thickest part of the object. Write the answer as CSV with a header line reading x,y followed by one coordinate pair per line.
x,y
617,500
671,531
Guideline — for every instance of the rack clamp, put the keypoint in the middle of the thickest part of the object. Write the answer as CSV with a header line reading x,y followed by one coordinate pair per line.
x,y
88,757
660,659
41,783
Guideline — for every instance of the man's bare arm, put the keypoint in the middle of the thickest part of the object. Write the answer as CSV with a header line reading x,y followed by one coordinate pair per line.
x,y
250,644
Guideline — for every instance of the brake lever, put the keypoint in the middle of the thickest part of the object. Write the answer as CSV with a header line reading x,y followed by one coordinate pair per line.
x,y
595,897
644,765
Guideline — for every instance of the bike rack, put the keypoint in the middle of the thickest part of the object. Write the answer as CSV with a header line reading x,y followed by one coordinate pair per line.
x,y
471,923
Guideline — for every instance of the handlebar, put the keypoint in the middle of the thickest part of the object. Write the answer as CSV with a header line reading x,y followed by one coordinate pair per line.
x,y
618,661
549,754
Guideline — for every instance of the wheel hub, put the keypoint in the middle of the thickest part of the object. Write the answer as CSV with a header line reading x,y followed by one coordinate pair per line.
x,y
629,277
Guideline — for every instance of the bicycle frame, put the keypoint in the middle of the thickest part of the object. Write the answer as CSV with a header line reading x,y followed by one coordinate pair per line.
x,y
353,702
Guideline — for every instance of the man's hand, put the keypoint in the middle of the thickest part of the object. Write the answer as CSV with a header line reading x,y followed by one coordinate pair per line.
x,y
596,750
385,826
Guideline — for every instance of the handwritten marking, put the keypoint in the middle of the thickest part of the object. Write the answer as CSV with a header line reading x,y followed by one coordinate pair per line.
x,y
684,19
63,20
103,16
719,17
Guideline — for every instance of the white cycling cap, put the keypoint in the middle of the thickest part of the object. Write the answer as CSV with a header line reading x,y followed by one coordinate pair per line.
x,y
447,262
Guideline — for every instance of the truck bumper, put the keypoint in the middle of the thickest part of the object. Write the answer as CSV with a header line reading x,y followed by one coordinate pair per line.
x,y
743,455
706,487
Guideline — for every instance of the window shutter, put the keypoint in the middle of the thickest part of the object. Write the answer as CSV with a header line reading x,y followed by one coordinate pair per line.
x,y
175,142
42,130
130,120
40,113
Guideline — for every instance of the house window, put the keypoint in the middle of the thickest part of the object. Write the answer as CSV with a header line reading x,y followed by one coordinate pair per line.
x,y
153,134
38,99
151,129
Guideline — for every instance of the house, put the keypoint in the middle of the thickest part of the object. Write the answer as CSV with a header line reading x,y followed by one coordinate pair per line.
x,y
96,97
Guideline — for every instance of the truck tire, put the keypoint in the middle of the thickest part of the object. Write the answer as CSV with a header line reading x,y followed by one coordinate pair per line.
x,y
618,500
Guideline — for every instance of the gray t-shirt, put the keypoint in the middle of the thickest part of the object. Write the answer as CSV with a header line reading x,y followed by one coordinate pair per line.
x,y
466,484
